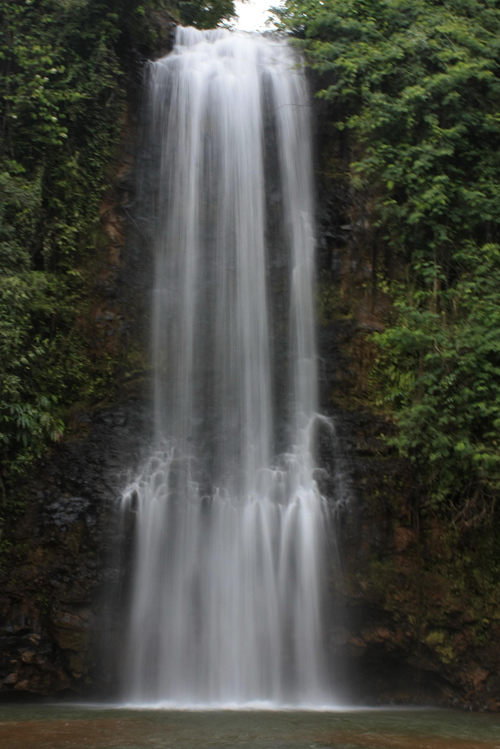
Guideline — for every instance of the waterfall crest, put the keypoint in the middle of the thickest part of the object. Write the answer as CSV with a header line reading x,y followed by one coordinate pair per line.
x,y
227,588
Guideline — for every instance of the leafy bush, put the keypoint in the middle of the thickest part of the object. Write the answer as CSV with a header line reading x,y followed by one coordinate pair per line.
x,y
441,371
415,89
62,103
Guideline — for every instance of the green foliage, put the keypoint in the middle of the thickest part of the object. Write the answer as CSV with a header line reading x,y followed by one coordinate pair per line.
x,y
20,215
442,373
26,417
415,91
62,102
64,66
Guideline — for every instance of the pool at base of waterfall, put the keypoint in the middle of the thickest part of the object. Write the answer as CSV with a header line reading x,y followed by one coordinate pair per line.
x,y
95,727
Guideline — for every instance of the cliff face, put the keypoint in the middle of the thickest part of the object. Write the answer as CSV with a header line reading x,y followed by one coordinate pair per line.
x,y
421,596
58,533
61,560
60,539
421,599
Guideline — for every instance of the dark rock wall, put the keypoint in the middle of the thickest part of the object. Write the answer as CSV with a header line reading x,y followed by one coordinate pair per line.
x,y
420,618
62,582
421,602
58,563
51,600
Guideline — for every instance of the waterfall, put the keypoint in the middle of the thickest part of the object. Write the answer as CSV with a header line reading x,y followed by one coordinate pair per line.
x,y
229,549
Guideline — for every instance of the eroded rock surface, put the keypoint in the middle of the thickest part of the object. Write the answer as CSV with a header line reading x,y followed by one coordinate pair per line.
x,y
53,591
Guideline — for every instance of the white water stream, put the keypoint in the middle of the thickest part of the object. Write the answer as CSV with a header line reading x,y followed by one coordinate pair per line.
x,y
227,589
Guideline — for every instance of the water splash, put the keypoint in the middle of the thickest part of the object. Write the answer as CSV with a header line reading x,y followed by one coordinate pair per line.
x,y
228,578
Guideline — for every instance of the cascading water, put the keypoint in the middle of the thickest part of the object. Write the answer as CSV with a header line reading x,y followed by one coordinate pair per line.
x,y
226,601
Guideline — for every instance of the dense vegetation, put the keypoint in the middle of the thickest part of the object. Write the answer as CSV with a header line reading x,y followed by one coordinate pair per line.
x,y
415,92
417,98
63,93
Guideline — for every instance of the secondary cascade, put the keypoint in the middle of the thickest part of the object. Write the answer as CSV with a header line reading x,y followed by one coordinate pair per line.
x,y
229,549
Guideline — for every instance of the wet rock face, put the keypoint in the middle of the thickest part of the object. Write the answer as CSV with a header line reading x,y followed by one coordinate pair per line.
x,y
403,637
57,565
421,602
53,584
420,606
